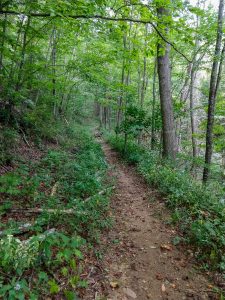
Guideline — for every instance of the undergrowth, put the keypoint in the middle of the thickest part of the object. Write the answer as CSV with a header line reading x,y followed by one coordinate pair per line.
x,y
51,214
197,209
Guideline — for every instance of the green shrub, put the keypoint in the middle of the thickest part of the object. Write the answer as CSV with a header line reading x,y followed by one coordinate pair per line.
x,y
8,141
76,171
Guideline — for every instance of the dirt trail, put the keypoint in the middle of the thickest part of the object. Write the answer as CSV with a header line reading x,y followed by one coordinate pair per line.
x,y
139,260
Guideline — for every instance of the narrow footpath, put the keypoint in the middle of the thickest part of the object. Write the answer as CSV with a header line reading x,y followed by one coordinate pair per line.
x,y
139,261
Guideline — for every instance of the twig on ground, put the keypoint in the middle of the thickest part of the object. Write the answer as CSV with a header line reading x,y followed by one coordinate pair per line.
x,y
54,188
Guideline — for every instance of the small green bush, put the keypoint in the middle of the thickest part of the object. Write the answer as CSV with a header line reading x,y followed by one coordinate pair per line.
x,y
8,141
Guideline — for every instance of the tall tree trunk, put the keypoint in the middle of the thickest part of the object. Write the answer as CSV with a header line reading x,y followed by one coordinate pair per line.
x,y
139,82
214,84
144,83
100,116
153,137
164,74
120,100
15,74
12,70
194,66
53,58
105,117
22,60
109,117
125,78
184,93
192,116
3,40
144,78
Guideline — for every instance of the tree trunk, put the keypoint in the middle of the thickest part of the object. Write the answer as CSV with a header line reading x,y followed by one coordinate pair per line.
x,y
3,41
139,82
120,101
193,127
194,66
144,78
163,51
153,137
22,60
214,84
53,58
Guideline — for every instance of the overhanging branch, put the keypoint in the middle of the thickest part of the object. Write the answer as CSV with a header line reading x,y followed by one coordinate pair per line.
x,y
126,19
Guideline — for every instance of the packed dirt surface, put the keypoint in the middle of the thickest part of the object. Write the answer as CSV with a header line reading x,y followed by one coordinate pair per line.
x,y
139,260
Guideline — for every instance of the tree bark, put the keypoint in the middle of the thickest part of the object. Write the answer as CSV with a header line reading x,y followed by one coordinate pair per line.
x,y
214,84
120,100
53,58
144,78
22,60
192,116
164,74
3,41
194,67
153,137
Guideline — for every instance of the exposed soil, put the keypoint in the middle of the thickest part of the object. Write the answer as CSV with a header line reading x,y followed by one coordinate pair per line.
x,y
139,261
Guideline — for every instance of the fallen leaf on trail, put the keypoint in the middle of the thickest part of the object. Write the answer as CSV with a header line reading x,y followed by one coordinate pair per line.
x,y
183,263
130,293
210,286
166,247
163,288
114,284
190,293
185,277
159,276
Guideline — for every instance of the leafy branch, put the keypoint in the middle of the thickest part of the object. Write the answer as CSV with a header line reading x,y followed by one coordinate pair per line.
x,y
126,19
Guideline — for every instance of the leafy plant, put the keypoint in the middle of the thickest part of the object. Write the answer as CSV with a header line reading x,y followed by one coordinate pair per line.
x,y
63,179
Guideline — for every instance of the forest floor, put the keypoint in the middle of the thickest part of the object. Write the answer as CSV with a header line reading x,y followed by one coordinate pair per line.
x,y
139,260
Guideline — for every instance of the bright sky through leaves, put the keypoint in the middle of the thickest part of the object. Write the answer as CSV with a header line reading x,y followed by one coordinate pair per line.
x,y
214,3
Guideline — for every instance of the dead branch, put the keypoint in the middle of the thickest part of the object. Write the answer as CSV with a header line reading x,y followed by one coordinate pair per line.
x,y
24,137
69,211
40,210
54,188
100,193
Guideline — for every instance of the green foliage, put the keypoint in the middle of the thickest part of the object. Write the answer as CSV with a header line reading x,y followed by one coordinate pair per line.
x,y
8,140
51,249
70,177
17,255
135,121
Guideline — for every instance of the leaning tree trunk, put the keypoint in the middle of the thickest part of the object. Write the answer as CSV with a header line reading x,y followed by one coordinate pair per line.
x,y
214,84
164,74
